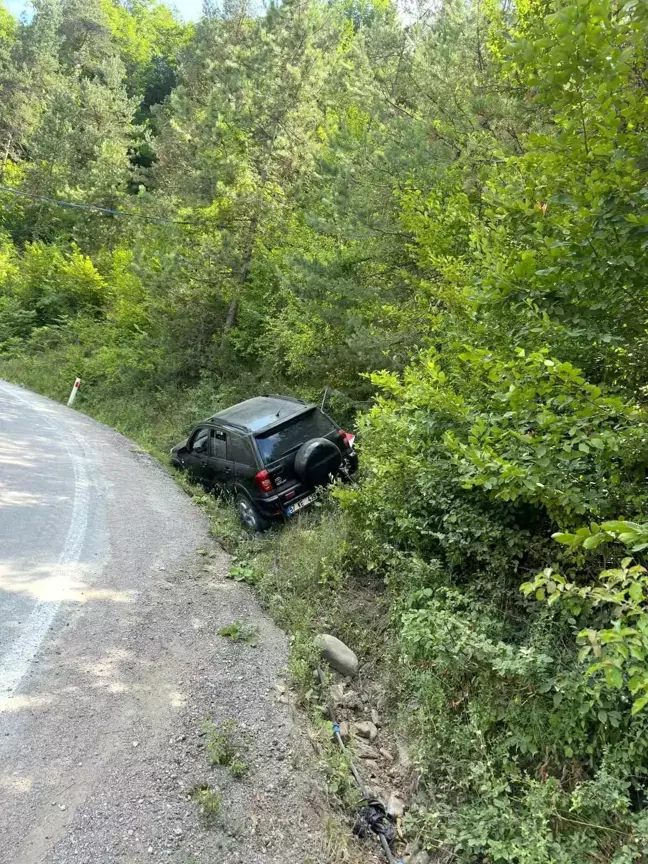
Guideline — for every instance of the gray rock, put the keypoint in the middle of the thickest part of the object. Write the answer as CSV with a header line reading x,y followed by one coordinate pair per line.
x,y
352,701
336,694
366,751
395,806
420,858
376,791
338,655
403,755
366,729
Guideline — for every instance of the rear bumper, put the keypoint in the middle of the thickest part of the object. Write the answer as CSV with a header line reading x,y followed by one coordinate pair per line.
x,y
274,506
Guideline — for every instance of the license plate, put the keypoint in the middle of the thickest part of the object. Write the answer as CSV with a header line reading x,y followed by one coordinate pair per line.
x,y
300,505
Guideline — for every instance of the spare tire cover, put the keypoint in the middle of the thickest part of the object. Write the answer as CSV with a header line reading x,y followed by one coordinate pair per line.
x,y
316,460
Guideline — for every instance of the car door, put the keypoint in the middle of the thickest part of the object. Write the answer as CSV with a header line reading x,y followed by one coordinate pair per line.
x,y
221,468
241,454
197,459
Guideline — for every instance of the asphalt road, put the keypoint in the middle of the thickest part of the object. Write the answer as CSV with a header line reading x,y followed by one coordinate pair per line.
x,y
112,593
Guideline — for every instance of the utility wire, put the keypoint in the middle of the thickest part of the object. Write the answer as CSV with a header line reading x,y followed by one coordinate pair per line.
x,y
93,207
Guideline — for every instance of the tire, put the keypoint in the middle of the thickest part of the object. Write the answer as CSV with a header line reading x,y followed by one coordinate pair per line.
x,y
251,519
316,461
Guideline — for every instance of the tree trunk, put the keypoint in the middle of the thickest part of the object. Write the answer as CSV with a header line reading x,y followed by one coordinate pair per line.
x,y
6,155
244,275
230,320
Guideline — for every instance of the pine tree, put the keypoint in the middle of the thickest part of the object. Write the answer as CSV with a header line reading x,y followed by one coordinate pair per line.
x,y
78,146
240,136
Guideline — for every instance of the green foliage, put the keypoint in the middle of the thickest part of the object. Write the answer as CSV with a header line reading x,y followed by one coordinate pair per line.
x,y
618,651
470,460
208,800
243,572
223,744
239,768
239,631
340,782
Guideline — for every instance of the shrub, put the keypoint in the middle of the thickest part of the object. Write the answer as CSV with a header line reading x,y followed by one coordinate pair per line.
x,y
470,461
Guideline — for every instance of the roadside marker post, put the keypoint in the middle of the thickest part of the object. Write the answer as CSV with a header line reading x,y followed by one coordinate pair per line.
x,y
75,387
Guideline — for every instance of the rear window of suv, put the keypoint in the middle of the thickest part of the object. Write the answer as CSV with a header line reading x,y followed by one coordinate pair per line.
x,y
276,442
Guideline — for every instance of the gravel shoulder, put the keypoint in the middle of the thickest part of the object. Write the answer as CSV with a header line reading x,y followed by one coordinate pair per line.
x,y
102,740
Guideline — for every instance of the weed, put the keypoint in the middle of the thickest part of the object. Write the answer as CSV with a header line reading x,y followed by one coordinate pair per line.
x,y
210,806
209,800
338,846
221,742
303,659
239,631
224,746
239,768
243,573
340,781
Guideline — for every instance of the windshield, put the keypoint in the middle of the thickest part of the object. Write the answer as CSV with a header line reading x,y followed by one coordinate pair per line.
x,y
282,439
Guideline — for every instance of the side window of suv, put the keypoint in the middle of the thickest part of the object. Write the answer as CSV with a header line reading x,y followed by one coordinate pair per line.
x,y
238,449
200,439
218,447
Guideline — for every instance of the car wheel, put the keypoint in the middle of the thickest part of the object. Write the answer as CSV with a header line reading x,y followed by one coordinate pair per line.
x,y
250,516
316,461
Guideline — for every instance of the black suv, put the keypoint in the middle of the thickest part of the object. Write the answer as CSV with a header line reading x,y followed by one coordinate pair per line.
x,y
271,452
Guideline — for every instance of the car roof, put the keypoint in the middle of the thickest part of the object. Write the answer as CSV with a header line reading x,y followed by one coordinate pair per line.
x,y
261,412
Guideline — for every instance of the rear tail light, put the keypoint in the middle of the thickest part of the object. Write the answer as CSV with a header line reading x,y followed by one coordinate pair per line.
x,y
264,481
347,438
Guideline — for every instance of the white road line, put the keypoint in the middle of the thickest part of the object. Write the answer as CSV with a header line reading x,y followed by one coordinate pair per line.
x,y
15,663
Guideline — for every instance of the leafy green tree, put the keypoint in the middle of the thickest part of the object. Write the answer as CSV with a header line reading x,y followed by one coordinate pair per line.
x,y
149,38
239,139
78,146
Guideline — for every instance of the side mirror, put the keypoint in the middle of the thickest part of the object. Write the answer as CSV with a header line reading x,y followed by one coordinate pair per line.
x,y
200,448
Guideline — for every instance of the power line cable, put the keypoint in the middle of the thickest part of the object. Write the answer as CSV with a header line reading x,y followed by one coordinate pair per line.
x,y
94,207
